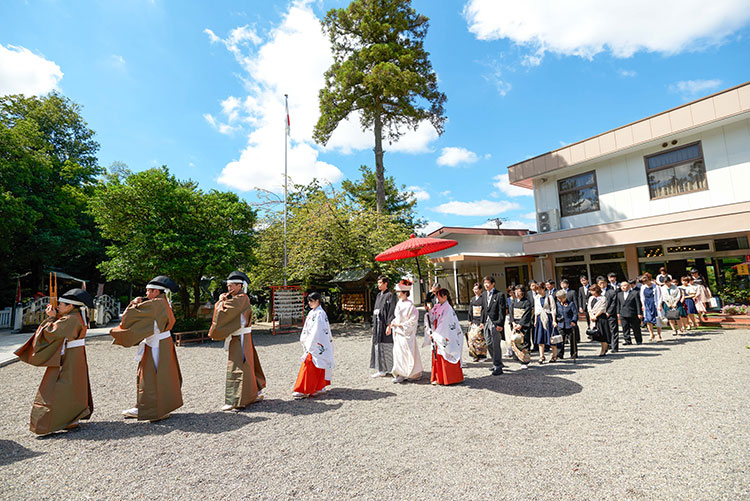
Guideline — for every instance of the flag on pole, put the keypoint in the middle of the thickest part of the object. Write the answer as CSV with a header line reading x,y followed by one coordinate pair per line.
x,y
288,123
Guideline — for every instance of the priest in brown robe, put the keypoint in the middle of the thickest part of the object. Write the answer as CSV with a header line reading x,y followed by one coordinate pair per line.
x,y
232,323
147,323
64,395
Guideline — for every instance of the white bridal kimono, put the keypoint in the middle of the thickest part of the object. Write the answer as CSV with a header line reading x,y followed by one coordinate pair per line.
x,y
406,360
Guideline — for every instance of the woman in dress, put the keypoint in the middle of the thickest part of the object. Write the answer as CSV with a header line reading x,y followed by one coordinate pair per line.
x,y
545,323
64,395
672,297
688,302
232,323
316,371
521,312
663,277
147,323
597,308
447,342
702,294
651,304
407,364
475,338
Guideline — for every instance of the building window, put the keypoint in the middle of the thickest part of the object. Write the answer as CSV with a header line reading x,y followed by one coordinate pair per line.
x,y
676,172
687,248
651,251
578,194
607,255
728,244
569,259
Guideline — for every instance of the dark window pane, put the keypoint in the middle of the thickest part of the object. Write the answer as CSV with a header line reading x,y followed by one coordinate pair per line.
x,y
580,201
687,248
652,251
661,183
572,272
690,177
674,156
577,181
607,255
568,259
726,244
603,269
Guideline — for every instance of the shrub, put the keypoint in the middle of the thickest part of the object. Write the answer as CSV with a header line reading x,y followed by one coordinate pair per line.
x,y
735,309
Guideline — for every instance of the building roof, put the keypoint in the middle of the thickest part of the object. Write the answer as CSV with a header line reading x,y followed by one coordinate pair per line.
x,y
448,230
716,107
351,275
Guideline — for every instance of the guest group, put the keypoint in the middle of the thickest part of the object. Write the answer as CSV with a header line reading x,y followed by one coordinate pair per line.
x,y
544,317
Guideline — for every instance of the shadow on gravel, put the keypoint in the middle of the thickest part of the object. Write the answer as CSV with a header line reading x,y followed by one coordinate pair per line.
x,y
532,384
10,452
303,407
190,422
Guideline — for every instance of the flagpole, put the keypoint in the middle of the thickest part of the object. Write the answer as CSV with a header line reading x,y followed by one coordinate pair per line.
x,y
286,141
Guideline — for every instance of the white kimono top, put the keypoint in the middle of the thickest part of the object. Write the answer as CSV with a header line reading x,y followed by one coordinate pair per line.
x,y
446,333
405,319
317,340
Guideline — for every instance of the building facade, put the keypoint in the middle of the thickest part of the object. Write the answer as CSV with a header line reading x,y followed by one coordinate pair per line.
x,y
669,190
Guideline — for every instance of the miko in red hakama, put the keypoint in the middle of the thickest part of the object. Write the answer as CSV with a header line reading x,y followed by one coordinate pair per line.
x,y
447,345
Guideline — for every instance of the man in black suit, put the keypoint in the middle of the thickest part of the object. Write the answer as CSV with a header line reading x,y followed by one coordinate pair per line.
x,y
493,319
611,296
583,298
572,299
534,288
613,286
630,312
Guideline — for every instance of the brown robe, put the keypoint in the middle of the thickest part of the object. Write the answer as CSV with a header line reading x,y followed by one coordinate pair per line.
x,y
245,376
159,391
64,395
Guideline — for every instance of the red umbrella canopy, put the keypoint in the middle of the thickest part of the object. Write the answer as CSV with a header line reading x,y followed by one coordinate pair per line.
x,y
415,247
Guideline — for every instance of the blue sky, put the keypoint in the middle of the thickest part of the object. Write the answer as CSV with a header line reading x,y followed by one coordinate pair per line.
x,y
199,86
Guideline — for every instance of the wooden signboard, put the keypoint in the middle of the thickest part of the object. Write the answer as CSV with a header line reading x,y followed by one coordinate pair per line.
x,y
288,302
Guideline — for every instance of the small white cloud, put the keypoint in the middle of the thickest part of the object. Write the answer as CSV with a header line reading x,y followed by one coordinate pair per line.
x,y
23,72
420,194
476,208
453,156
562,144
514,224
529,215
627,73
445,193
431,226
502,183
691,89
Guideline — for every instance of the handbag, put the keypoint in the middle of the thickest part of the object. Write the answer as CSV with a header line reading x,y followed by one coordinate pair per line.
x,y
594,334
558,339
673,314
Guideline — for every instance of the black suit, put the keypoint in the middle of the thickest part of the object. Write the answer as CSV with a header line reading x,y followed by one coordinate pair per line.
x,y
493,317
571,295
611,296
629,309
583,301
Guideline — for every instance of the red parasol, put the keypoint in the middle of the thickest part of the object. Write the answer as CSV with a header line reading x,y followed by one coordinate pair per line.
x,y
416,247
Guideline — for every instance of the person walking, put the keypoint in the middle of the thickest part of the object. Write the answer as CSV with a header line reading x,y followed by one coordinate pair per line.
x,y
493,320
672,297
572,297
475,335
447,342
689,291
545,323
407,364
597,307
567,321
381,353
316,372
522,313
583,298
652,305
610,289
702,294
232,323
629,311
64,395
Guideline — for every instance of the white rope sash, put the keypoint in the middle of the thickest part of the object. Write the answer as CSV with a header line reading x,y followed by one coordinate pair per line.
x,y
153,342
238,333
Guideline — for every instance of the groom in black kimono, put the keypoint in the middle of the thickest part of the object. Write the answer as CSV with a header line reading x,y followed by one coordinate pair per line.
x,y
381,355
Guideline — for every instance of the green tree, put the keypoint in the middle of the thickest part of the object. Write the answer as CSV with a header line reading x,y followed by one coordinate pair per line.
x,y
380,70
161,225
398,202
48,169
327,232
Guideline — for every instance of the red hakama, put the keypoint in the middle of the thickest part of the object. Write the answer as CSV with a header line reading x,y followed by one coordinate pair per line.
x,y
444,372
310,379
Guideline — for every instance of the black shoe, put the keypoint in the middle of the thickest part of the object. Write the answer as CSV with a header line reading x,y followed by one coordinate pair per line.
x,y
627,343
615,350
497,372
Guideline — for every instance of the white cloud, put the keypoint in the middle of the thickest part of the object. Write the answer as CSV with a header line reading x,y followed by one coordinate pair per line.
x,y
453,156
529,215
627,73
445,193
290,59
514,224
586,28
502,183
691,89
431,226
476,208
23,72
420,194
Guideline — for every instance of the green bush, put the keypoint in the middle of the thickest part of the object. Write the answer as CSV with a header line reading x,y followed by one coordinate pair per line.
x,y
191,324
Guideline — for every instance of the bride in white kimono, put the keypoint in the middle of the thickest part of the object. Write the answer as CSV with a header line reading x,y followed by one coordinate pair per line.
x,y
407,363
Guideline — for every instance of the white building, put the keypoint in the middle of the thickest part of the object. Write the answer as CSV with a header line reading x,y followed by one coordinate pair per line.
x,y
669,190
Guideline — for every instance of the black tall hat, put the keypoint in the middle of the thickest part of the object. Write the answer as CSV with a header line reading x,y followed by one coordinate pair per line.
x,y
163,282
236,276
77,297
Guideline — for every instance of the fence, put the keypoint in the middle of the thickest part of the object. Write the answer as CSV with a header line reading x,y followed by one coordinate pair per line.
x,y
5,316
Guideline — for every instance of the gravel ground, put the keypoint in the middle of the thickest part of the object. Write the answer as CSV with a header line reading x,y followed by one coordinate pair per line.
x,y
659,421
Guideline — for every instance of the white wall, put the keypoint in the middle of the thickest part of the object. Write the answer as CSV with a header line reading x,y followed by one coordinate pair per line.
x,y
623,189
482,244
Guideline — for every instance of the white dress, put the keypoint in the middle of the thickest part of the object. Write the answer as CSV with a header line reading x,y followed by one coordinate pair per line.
x,y
406,360
316,339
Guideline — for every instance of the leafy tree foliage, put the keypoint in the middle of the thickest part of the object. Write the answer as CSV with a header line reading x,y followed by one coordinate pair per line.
x,y
380,70
159,225
48,168
327,232
398,202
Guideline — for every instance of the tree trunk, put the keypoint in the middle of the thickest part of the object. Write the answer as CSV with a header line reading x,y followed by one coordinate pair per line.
x,y
185,300
379,169
196,297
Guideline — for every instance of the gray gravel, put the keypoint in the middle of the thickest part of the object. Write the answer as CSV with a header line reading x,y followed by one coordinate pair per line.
x,y
659,421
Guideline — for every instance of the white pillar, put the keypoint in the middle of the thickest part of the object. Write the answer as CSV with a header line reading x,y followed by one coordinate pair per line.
x,y
455,280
